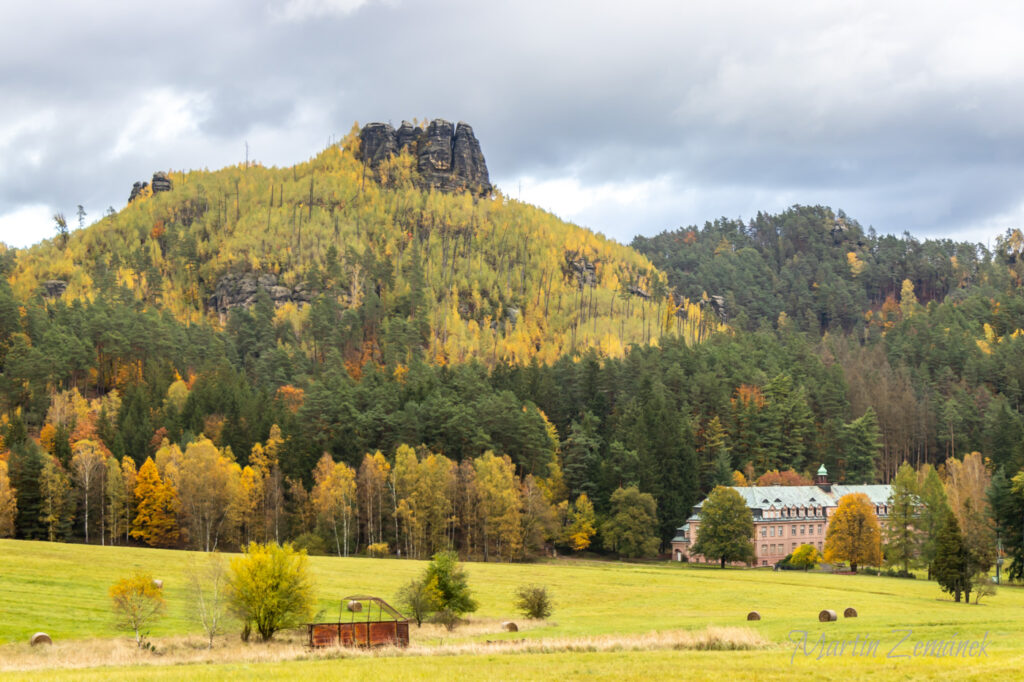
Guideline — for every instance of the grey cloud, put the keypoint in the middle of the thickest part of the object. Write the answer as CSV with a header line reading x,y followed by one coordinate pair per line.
x,y
905,116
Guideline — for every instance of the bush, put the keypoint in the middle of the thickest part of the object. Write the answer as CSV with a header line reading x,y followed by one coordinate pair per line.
x,y
270,589
419,598
894,573
533,601
867,570
312,543
452,585
378,550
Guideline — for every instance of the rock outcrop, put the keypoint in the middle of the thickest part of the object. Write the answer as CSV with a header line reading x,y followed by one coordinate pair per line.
x,y
241,290
580,268
448,157
54,288
137,189
161,183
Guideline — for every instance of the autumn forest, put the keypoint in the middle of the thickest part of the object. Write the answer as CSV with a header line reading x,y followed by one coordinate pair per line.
x,y
329,354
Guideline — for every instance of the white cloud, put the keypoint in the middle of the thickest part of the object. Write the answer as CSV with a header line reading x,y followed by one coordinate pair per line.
x,y
164,116
301,10
26,225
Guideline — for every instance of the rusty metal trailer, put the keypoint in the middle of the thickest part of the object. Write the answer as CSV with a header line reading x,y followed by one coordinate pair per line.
x,y
368,632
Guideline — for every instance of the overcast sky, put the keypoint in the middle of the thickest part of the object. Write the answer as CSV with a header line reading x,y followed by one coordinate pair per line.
x,y
628,118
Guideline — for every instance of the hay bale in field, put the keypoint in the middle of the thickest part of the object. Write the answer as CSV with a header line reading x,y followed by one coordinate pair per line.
x,y
158,584
850,613
509,626
40,638
753,615
827,616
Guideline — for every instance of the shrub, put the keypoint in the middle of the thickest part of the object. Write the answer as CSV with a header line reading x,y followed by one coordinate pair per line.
x,y
533,601
419,598
312,543
378,550
270,589
452,586
138,602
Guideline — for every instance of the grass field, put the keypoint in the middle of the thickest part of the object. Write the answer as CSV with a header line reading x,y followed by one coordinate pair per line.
x,y
603,613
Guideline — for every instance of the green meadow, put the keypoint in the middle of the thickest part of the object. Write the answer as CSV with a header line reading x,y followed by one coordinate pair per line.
x,y
62,589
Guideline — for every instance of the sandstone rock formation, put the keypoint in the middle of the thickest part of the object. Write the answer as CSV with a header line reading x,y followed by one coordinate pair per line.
x,y
161,183
54,288
137,190
240,290
448,157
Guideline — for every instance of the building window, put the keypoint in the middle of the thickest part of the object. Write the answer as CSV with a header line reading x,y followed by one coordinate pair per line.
x,y
794,546
780,532
793,528
764,533
819,529
764,549
764,562
803,529
773,531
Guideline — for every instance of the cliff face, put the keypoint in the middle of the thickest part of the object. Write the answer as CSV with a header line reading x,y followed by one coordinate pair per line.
x,y
448,157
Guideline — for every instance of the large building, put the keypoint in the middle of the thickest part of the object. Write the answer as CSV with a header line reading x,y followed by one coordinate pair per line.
x,y
785,517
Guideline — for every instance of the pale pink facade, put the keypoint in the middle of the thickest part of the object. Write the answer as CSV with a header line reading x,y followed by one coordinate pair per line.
x,y
785,517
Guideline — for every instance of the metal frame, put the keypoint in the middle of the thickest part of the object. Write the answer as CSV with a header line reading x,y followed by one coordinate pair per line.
x,y
355,604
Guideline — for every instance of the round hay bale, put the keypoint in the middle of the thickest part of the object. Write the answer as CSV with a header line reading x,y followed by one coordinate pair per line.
x,y
158,584
827,616
753,615
510,627
40,638
355,606
850,613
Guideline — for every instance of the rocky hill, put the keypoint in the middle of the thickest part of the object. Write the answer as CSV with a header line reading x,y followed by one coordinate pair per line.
x,y
388,230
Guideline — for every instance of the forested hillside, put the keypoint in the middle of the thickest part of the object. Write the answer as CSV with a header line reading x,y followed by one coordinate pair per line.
x,y
927,334
478,373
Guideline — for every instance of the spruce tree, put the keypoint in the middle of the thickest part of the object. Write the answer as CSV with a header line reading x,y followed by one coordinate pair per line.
x,y
902,542
951,567
25,467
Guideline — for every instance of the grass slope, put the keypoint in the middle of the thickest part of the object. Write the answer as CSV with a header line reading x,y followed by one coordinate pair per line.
x,y
62,589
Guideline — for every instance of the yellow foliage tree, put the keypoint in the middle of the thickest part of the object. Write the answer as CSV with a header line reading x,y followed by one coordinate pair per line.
x,y
854,534
500,505
8,503
156,503
334,496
